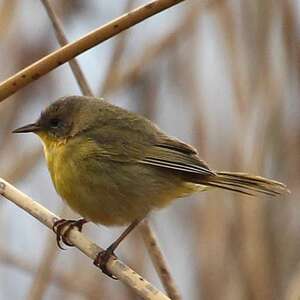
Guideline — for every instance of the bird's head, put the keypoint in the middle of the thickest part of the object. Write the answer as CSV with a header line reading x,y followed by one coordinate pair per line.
x,y
55,122
63,119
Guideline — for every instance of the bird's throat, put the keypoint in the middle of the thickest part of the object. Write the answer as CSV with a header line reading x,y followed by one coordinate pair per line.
x,y
52,145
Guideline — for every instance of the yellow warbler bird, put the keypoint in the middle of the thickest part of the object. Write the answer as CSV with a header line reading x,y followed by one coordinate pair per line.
x,y
113,166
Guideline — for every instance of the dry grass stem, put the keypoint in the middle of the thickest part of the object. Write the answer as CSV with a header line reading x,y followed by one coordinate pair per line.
x,y
62,39
115,266
66,53
159,260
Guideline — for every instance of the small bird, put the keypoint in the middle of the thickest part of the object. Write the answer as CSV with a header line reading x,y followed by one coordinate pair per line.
x,y
114,167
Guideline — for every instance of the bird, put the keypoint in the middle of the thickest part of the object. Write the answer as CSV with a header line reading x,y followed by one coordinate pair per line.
x,y
113,167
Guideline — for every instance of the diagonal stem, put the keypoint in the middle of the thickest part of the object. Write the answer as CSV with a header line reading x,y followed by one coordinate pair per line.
x,y
71,50
159,260
62,39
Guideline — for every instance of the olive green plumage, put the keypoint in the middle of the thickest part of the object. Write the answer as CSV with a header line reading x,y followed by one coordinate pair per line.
x,y
113,166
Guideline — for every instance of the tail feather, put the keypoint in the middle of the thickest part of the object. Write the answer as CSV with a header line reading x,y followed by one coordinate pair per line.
x,y
245,184
227,187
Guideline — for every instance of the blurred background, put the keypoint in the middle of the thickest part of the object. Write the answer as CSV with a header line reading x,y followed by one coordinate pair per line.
x,y
222,75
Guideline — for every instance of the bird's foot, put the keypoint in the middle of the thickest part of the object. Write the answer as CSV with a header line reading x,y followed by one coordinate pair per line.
x,y
102,259
62,228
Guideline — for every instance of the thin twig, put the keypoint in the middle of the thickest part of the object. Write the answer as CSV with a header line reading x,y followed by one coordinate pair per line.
x,y
62,39
159,260
64,54
115,266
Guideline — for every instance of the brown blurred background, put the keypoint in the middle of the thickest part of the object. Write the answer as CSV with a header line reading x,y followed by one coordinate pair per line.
x,y
222,75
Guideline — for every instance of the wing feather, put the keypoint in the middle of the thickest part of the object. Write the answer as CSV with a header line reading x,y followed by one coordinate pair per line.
x,y
176,155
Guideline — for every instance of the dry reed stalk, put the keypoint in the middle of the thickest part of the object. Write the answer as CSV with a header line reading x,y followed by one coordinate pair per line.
x,y
66,53
62,39
90,249
159,260
291,33
7,7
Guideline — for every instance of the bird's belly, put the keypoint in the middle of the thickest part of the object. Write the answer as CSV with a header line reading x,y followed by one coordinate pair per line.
x,y
98,207
94,198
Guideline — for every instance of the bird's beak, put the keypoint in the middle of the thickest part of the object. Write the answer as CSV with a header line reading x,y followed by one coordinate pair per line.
x,y
33,127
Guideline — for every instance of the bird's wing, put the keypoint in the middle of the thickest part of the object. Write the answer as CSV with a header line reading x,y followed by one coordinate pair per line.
x,y
123,141
173,154
135,139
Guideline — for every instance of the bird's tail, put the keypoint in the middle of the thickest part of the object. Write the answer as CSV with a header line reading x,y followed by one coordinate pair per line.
x,y
245,183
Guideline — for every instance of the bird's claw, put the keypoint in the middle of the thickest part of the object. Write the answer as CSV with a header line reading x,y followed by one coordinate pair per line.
x,y
62,228
102,259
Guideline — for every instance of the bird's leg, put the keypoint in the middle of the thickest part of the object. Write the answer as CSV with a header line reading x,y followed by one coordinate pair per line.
x,y
103,257
62,228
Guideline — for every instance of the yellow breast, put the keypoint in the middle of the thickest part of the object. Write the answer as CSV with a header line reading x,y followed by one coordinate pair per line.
x,y
74,182
54,150
62,168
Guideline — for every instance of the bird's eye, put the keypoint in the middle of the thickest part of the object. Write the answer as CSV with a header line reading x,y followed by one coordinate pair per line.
x,y
55,122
